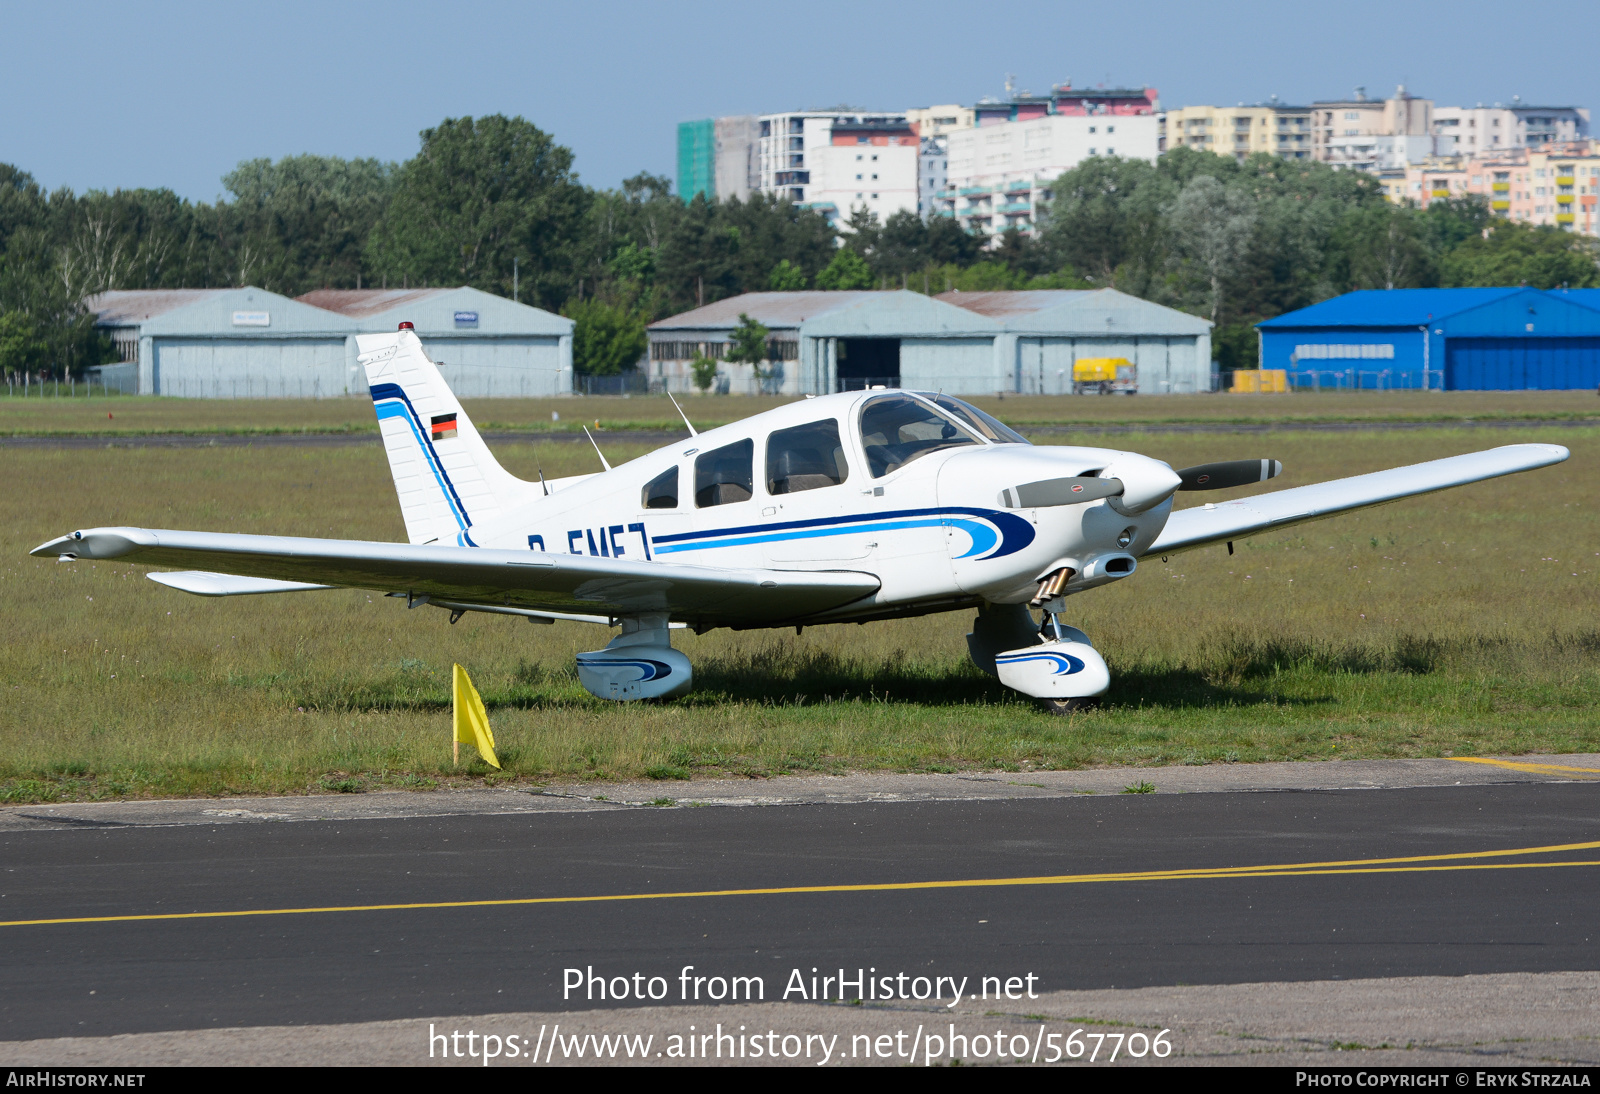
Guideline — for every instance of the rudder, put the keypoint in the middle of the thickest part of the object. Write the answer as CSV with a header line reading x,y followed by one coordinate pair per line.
x,y
447,480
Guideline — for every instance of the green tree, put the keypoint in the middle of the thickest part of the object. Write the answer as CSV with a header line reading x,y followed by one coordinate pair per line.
x,y
786,277
481,193
748,345
1105,220
1382,247
606,340
704,370
863,233
848,270
716,249
308,218
1518,254
1448,222
1213,226
20,347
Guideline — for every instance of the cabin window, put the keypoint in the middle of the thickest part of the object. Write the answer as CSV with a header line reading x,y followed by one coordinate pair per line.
x,y
724,474
661,492
806,457
896,429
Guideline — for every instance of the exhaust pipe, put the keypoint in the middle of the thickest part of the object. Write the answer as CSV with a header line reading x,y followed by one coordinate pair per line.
x,y
1053,584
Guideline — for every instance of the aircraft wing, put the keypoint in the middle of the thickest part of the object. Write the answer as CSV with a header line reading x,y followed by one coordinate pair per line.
x,y
1231,520
572,584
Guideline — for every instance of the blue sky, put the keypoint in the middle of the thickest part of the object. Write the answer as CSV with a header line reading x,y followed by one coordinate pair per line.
x,y
126,95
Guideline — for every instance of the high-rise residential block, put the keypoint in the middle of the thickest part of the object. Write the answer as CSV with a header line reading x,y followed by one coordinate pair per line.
x,y
1554,184
1485,130
936,121
837,162
1239,131
1001,169
1372,134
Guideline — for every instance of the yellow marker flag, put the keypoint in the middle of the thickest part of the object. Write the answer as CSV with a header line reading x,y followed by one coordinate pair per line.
x,y
472,721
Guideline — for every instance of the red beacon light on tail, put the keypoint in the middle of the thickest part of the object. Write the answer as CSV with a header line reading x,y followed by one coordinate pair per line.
x,y
408,326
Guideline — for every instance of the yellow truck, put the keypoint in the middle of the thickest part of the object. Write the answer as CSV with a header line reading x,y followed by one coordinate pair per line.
x,y
1104,376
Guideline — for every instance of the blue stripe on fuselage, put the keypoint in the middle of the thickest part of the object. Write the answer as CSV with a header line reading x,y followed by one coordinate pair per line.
x,y
1014,532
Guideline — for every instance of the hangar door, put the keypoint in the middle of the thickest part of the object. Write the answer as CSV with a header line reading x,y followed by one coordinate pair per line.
x,y
1516,364
477,368
254,368
957,366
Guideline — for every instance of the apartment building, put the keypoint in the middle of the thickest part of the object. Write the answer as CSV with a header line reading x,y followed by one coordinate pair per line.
x,y
1555,184
1239,131
936,121
1000,170
1372,134
1479,130
837,163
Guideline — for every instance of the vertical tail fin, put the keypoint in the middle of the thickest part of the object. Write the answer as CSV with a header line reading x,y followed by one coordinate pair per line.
x,y
448,481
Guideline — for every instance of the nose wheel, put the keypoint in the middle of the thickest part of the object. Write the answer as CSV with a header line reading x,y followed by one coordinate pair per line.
x,y
1069,706
1052,662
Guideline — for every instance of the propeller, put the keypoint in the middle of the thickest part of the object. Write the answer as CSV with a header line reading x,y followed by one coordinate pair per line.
x,y
1220,476
1070,491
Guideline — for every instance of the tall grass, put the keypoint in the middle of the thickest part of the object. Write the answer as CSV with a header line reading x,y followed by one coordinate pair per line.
x,y
1461,622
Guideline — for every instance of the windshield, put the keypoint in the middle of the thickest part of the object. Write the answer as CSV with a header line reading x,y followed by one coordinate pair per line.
x,y
996,431
896,429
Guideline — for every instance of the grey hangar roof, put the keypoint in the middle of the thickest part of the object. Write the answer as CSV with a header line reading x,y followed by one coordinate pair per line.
x,y
249,342
964,343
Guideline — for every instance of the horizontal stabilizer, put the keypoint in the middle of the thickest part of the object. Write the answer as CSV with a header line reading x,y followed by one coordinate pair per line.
x,y
1231,520
205,583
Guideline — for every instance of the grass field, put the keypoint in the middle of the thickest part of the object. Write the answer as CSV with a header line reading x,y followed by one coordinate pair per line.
x,y
139,415
1462,622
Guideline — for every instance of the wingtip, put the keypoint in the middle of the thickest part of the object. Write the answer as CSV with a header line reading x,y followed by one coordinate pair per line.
x,y
57,547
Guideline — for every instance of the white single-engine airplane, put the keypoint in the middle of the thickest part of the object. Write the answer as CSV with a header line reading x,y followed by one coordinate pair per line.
x,y
852,507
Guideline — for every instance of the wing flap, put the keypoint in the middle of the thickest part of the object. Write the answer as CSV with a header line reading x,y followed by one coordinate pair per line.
x,y
1286,508
571,584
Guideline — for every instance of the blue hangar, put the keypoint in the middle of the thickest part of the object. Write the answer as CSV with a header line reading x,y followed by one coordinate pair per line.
x,y
1452,339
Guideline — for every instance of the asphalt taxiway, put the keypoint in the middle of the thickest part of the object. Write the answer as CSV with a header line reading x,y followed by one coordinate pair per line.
x,y
192,920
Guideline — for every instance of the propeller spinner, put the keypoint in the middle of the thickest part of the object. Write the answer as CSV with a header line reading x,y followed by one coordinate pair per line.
x,y
1220,476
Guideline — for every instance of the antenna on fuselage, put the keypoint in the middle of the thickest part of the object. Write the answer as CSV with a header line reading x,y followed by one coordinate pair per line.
x,y
692,431
542,484
597,451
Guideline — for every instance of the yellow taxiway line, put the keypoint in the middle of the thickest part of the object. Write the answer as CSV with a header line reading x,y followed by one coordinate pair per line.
x,y
1409,864
1537,769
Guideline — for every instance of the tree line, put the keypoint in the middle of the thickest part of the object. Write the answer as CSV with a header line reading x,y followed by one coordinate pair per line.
x,y
495,203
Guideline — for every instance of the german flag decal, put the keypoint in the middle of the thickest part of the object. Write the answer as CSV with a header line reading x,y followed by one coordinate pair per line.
x,y
444,426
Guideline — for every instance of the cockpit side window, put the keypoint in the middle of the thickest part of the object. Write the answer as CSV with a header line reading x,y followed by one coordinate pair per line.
x,y
661,492
724,474
991,428
805,457
897,429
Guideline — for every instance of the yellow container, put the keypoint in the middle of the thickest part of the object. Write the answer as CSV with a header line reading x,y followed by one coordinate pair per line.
x,y
1261,381
1098,370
